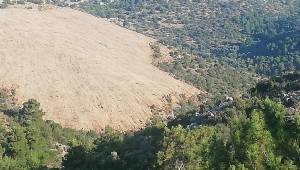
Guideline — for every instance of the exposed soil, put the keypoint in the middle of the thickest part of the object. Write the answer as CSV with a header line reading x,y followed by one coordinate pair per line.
x,y
87,73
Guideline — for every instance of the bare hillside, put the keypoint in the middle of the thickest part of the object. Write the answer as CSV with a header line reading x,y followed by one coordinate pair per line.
x,y
87,73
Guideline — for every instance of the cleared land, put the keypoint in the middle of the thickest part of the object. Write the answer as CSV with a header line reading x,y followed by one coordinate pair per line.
x,y
87,73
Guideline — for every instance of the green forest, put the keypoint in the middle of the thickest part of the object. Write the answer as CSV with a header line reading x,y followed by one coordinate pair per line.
x,y
249,50
249,39
260,130
26,140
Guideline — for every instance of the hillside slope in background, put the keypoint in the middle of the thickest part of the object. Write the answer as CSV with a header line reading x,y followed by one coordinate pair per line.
x,y
87,73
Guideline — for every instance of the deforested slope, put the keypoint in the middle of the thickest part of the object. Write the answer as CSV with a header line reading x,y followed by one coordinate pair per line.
x,y
86,72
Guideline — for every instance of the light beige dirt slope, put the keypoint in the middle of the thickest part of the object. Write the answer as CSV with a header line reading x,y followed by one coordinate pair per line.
x,y
87,73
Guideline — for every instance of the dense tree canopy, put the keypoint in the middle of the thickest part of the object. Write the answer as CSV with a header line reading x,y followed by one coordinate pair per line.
x,y
256,132
26,140
214,44
238,38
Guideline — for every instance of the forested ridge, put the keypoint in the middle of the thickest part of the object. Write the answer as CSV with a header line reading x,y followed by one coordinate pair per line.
x,y
241,37
244,53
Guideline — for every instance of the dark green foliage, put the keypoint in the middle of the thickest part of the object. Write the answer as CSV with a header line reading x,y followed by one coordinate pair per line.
x,y
219,79
283,88
26,140
256,132
114,150
24,146
262,140
218,45
239,36
184,148
207,27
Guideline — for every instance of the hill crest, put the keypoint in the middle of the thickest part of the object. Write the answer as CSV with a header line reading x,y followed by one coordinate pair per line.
x,y
86,72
